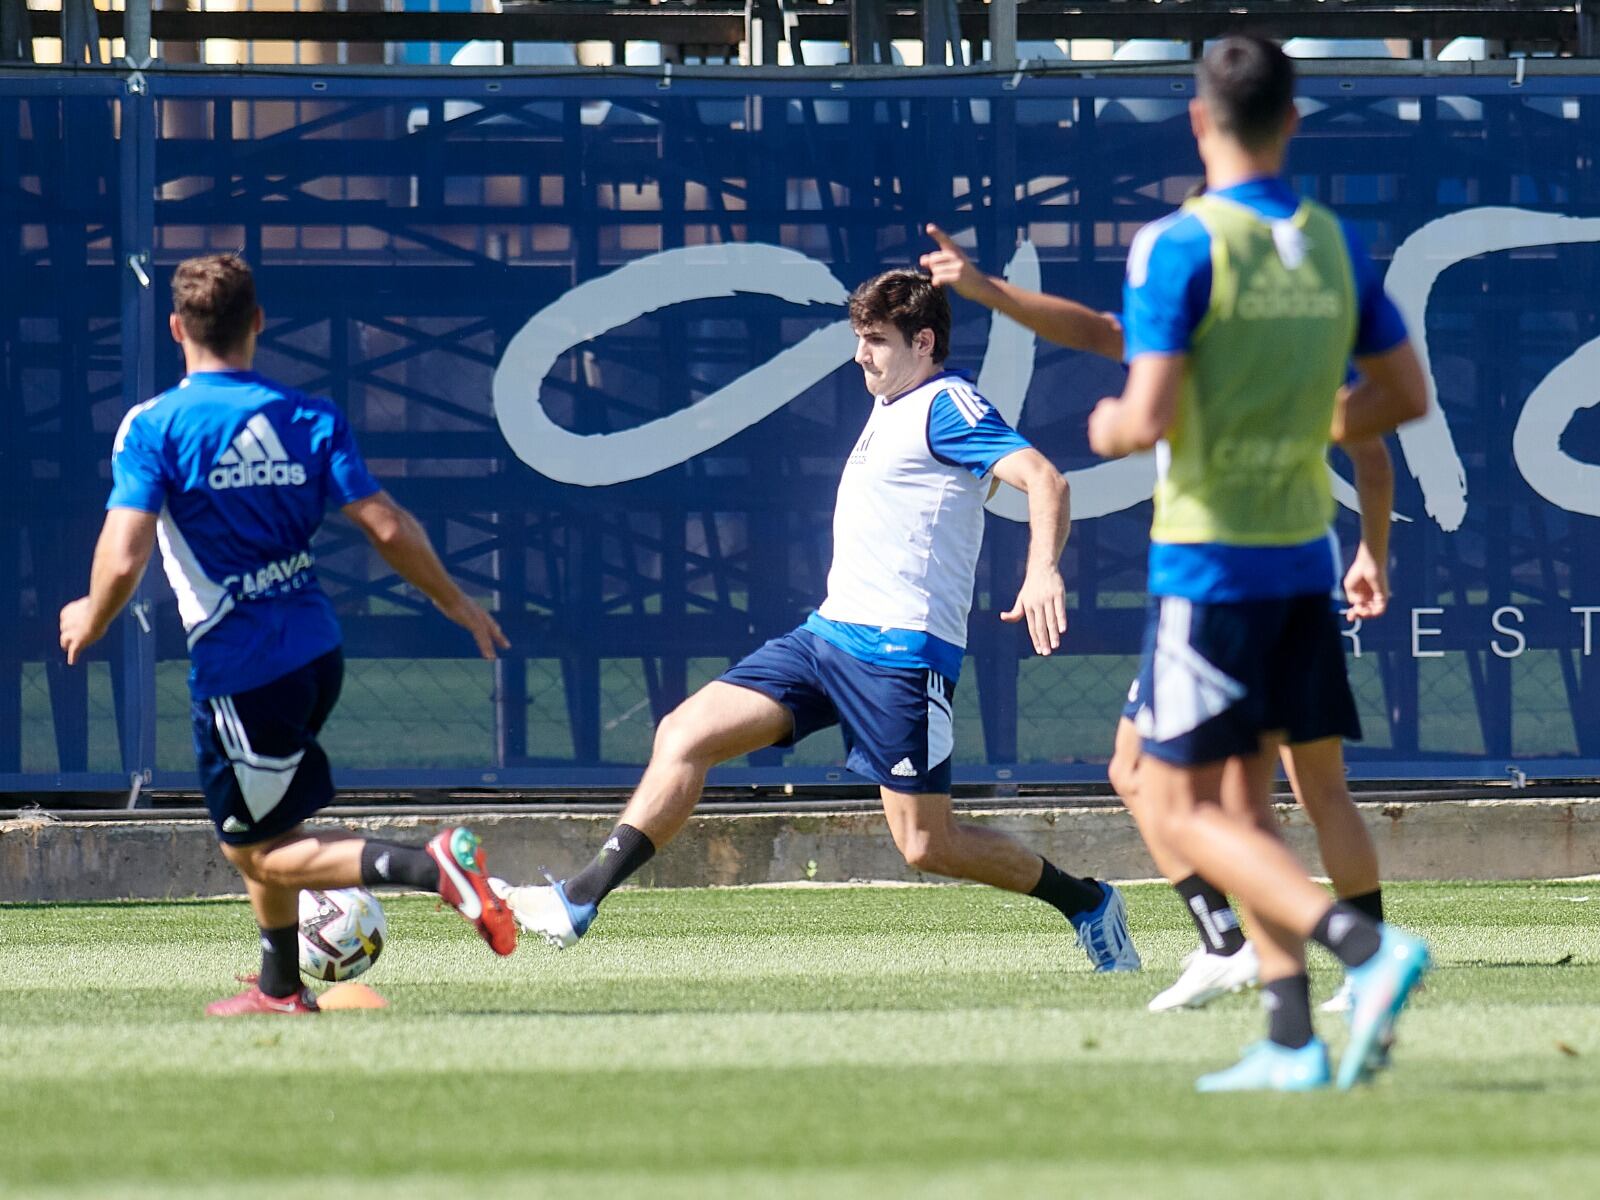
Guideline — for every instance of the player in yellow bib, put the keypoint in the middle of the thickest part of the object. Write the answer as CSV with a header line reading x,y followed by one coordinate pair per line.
x,y
1224,961
1241,313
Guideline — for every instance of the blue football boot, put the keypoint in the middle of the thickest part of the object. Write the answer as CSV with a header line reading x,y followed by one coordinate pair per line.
x,y
1103,934
1379,989
1269,1067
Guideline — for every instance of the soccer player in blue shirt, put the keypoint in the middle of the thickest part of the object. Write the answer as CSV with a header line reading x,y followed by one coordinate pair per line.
x,y
1241,314
1224,962
880,656
232,474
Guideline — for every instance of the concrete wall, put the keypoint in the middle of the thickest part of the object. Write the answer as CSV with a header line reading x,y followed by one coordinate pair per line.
x,y
41,859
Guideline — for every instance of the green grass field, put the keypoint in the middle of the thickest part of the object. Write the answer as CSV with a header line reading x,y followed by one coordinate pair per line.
x,y
944,1042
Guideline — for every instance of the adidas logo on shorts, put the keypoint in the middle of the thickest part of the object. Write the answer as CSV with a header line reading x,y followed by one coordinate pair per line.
x,y
255,458
903,769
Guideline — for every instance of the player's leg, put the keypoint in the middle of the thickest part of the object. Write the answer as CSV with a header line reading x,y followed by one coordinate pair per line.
x,y
1224,961
766,699
930,839
264,773
1240,662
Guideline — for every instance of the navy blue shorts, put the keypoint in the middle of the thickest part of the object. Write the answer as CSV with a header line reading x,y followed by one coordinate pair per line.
x,y
1215,677
897,721
260,765
1130,706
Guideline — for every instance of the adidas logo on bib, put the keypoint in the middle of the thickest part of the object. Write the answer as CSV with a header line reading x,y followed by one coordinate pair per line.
x,y
903,769
256,458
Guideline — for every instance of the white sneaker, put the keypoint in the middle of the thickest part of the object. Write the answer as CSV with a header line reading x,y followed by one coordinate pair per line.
x,y
1207,976
546,911
1339,1002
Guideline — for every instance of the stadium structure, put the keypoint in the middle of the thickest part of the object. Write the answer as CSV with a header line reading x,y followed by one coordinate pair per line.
x,y
419,188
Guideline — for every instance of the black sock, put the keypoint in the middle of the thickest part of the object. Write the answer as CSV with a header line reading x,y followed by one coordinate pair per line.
x,y
1368,904
1351,936
1067,893
625,851
1288,1005
280,961
1213,916
384,864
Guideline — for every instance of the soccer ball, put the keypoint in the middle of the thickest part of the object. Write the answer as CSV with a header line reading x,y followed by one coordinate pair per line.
x,y
341,933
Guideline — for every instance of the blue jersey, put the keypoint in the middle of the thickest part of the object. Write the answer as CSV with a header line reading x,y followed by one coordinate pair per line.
x,y
1166,298
240,471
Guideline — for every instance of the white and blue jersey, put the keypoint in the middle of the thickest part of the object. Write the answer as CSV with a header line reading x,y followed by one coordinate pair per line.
x,y
1166,299
908,526
241,471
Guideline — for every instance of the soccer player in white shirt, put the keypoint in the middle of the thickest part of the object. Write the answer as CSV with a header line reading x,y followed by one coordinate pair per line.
x,y
881,655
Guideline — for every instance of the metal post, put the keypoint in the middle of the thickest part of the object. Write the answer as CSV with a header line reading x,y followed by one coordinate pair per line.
x,y
1003,34
941,33
869,32
136,718
136,32
16,39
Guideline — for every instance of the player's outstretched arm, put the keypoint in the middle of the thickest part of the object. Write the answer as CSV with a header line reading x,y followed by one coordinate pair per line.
x,y
404,544
120,557
1054,318
1392,391
1138,419
1366,583
1042,599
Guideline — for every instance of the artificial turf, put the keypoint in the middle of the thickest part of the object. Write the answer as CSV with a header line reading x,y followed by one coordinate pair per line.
x,y
944,1041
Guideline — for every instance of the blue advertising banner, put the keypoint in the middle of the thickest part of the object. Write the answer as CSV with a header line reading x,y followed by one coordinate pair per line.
x,y
591,329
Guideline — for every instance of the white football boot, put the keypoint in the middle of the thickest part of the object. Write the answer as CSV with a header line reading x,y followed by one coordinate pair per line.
x,y
1339,1002
1207,976
546,911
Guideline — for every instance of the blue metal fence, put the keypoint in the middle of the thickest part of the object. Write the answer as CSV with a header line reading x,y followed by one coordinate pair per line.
x,y
498,278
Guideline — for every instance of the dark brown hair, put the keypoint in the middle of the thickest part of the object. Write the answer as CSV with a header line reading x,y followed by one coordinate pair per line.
x,y
215,298
907,300
1248,84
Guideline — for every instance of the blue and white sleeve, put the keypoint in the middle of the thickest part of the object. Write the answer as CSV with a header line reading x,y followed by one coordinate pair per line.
x,y
965,431
1168,286
348,477
138,476
1379,325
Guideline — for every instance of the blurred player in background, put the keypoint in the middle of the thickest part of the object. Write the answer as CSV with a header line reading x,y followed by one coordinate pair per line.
x,y
1241,314
1224,961
233,473
880,657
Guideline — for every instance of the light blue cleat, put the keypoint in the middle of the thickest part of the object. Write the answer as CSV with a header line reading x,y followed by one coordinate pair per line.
x,y
546,911
1269,1067
1379,989
1103,934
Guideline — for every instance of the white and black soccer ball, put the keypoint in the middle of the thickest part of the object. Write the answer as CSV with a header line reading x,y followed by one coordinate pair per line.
x,y
342,932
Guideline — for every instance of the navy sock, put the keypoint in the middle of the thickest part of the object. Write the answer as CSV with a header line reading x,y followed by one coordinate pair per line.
x,y
625,851
384,864
280,961
1066,893
1288,1005
1368,904
1351,936
1213,916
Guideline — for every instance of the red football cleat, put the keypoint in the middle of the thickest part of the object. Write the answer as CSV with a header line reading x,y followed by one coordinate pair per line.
x,y
253,1000
463,884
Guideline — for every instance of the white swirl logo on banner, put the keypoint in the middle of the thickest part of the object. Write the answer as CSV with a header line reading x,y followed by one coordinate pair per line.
x,y
706,272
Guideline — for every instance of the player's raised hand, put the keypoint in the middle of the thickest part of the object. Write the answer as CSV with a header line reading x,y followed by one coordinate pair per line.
x,y
1366,586
475,619
77,629
1042,600
950,267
